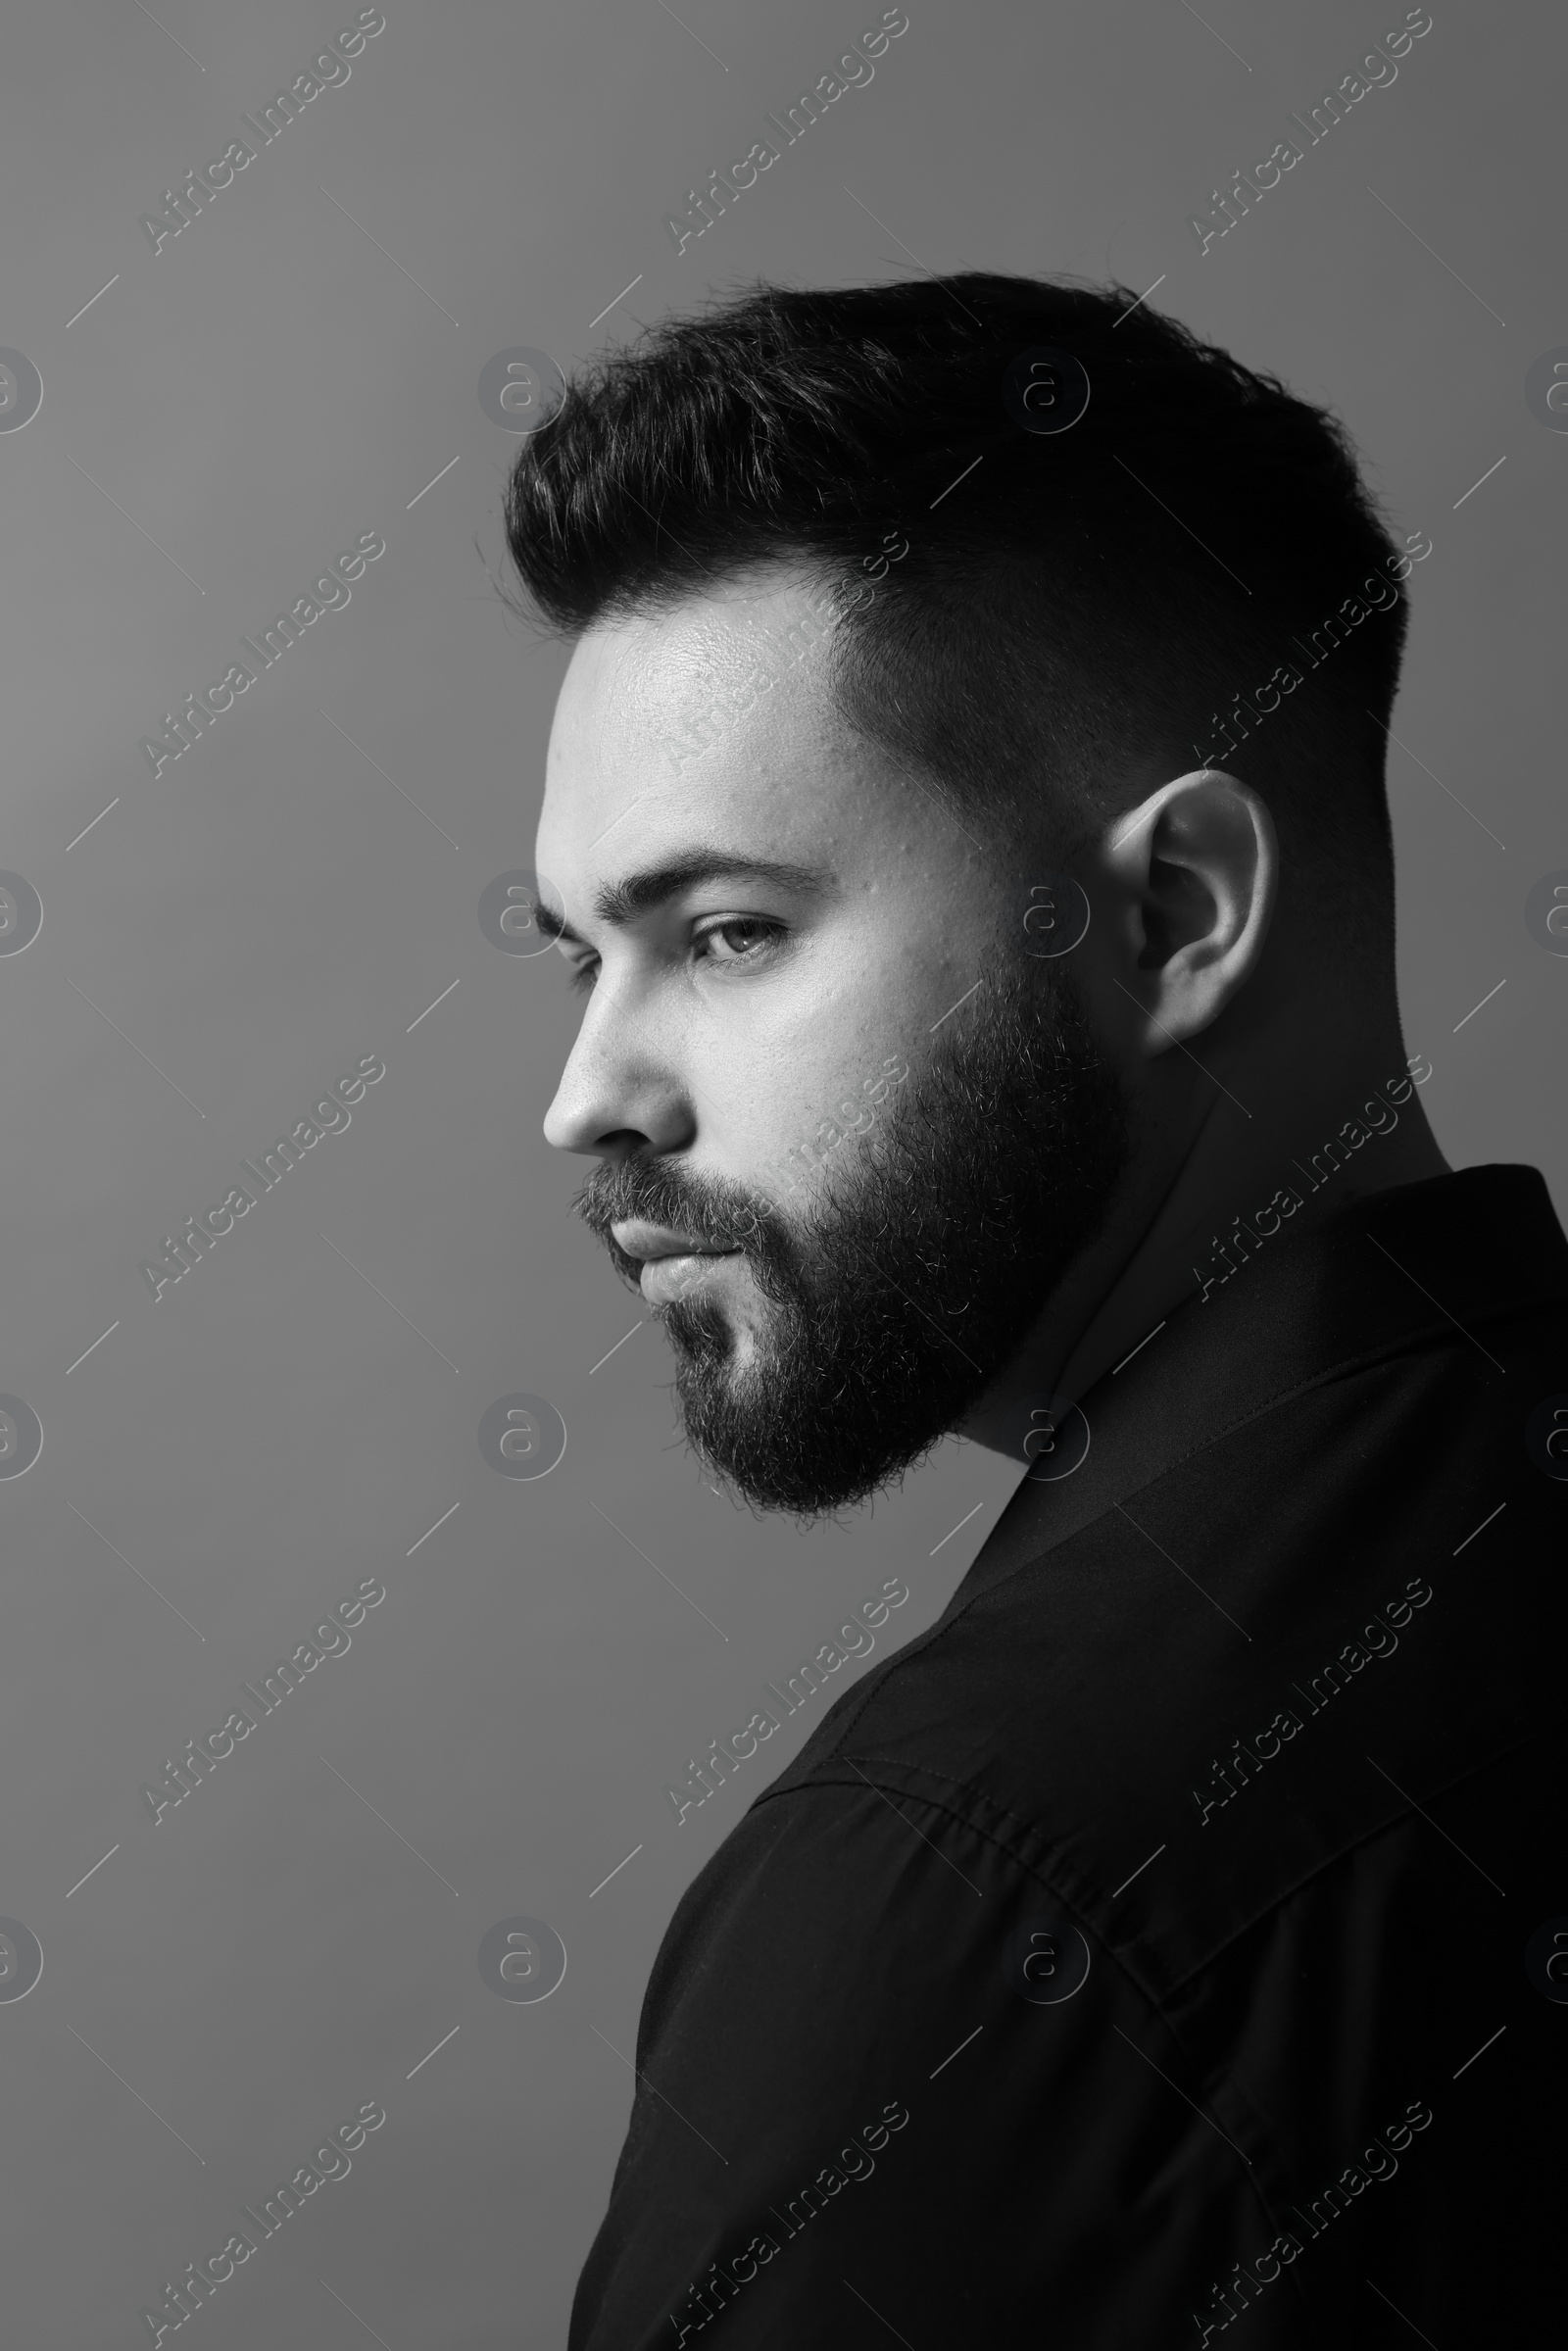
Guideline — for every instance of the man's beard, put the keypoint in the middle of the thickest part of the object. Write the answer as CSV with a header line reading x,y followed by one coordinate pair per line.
x,y
916,1261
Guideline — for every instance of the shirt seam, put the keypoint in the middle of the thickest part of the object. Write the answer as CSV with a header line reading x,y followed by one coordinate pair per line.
x,y
1410,1811
1257,2127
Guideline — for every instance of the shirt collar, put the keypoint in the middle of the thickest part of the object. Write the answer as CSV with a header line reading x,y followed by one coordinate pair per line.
x,y
1444,1259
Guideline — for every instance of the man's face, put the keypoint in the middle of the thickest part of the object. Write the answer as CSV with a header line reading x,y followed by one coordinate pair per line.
x,y
850,1133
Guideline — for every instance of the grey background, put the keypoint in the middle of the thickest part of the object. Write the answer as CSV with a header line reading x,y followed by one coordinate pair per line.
x,y
268,386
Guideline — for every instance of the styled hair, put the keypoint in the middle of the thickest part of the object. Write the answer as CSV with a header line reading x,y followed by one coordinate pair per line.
x,y
1193,572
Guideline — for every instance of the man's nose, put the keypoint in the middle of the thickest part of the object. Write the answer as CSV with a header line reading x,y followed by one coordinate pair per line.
x,y
618,1094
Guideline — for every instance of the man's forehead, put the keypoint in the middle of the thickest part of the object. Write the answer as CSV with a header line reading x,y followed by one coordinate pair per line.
x,y
642,668
697,713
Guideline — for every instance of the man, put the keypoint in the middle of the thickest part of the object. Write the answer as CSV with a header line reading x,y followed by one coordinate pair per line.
x,y
964,810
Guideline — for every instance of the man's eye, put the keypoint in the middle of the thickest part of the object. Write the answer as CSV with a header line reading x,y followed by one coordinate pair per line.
x,y
584,974
743,940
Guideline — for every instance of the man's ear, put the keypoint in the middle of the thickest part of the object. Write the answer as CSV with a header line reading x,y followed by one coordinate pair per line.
x,y
1193,876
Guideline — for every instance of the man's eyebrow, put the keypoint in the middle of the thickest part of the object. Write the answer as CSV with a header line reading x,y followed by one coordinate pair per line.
x,y
618,903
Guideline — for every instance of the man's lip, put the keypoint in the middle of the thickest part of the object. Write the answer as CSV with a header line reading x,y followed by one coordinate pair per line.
x,y
648,1240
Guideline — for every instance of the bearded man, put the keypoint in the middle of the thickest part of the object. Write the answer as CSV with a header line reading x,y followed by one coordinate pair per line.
x,y
965,814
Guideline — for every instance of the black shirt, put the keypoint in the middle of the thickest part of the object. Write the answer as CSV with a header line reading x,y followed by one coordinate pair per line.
x,y
1162,1943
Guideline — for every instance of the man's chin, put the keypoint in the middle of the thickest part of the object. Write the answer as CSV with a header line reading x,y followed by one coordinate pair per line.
x,y
711,1339
718,1340
765,1417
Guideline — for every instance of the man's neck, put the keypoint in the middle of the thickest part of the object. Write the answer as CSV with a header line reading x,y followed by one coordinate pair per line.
x,y
1295,1155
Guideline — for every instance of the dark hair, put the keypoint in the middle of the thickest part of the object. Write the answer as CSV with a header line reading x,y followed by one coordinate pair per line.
x,y
1075,600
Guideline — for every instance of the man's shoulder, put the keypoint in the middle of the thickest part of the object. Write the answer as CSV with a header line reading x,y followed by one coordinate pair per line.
x,y
1234,1676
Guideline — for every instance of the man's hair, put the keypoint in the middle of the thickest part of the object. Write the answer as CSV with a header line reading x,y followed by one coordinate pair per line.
x,y
1070,602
